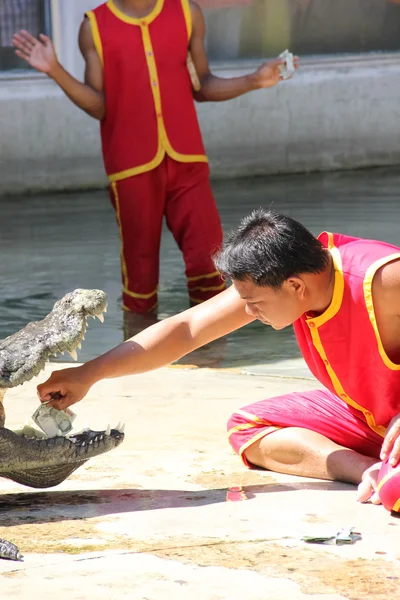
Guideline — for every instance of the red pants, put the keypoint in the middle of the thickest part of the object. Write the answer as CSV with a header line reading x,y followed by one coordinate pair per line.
x,y
181,192
317,410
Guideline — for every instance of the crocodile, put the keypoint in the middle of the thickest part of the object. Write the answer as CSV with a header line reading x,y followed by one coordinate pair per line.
x,y
27,456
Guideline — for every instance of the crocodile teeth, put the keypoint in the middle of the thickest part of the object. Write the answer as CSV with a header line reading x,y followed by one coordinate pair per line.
x,y
118,426
108,430
122,428
100,317
73,354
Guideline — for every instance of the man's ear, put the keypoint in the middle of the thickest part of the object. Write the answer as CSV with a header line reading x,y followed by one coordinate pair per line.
x,y
296,286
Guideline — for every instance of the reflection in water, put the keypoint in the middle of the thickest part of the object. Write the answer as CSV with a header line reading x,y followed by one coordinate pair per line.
x,y
236,494
51,245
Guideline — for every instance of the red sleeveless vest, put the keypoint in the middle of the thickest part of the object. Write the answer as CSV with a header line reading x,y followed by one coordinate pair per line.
x,y
149,99
342,347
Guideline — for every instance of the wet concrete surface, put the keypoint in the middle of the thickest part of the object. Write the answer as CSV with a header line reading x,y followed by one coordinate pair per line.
x,y
172,513
51,245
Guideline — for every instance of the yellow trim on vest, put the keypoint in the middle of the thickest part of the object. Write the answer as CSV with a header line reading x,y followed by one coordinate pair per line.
x,y
369,276
396,507
140,296
386,479
157,160
379,429
187,11
96,35
208,276
338,289
117,210
314,323
164,145
134,20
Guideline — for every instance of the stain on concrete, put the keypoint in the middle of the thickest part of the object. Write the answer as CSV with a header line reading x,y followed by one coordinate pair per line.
x,y
316,572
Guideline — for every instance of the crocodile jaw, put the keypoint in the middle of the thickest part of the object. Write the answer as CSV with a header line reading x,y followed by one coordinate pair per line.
x,y
24,354
41,462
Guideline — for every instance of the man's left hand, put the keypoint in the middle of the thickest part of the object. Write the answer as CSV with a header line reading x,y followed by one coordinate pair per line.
x,y
367,490
269,74
391,443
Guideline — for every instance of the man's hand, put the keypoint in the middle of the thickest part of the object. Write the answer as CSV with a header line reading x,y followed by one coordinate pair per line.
x,y
39,53
368,486
268,74
391,443
68,385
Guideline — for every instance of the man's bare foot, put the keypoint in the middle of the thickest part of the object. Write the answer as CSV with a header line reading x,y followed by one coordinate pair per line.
x,y
368,486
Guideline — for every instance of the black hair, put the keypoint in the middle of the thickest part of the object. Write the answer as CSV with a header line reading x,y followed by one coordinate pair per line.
x,y
268,248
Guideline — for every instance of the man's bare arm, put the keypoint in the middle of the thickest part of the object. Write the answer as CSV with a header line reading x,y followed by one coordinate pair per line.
x,y
41,55
386,299
157,346
217,88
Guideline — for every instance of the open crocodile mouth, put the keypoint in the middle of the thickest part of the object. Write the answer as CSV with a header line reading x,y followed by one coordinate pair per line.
x,y
24,354
77,345
86,438
27,455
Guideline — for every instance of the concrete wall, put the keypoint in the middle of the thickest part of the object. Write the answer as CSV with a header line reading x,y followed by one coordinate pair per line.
x,y
335,114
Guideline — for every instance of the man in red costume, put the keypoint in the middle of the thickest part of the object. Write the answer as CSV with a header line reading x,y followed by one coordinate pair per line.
x,y
342,295
138,86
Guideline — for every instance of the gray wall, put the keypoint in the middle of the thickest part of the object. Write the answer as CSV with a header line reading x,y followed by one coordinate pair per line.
x,y
335,114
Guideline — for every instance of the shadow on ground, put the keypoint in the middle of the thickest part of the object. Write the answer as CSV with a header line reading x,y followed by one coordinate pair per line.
x,y
31,507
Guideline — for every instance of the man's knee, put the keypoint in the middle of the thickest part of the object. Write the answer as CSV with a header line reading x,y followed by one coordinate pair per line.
x,y
245,433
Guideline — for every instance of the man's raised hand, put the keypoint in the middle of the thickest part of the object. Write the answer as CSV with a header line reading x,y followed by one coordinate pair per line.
x,y
39,53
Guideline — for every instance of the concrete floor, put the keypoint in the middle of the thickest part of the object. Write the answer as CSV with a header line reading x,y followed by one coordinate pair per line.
x,y
152,520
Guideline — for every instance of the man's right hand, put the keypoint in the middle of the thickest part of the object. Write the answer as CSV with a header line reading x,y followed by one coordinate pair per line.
x,y
39,53
69,386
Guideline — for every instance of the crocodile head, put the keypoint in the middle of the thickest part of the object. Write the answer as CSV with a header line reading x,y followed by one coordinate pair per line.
x,y
27,456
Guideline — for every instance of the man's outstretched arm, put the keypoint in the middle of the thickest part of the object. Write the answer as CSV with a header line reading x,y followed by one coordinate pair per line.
x,y
155,347
41,55
214,89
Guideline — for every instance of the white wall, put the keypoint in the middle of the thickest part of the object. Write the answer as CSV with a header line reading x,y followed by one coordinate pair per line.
x,y
335,114
71,16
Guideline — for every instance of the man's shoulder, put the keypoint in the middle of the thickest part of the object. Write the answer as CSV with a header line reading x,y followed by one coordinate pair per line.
x,y
386,287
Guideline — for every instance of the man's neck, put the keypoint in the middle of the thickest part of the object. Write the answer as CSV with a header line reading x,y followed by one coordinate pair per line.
x,y
138,9
323,290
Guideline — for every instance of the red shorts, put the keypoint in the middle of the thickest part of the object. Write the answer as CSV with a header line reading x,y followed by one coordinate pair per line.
x,y
316,410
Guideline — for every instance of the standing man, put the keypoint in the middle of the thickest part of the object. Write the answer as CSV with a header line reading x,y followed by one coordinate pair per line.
x,y
138,86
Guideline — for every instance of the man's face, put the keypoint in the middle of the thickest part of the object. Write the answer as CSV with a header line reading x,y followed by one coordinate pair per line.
x,y
276,308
